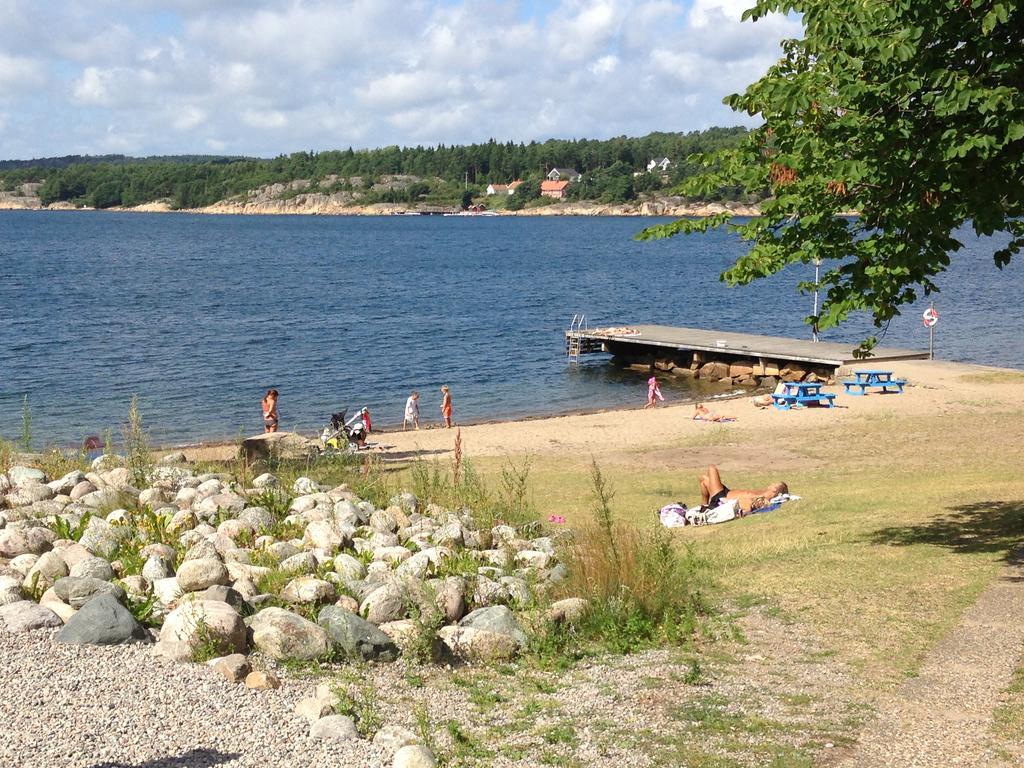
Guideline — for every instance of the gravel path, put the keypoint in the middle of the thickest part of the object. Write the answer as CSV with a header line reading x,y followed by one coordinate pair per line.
x,y
943,717
87,707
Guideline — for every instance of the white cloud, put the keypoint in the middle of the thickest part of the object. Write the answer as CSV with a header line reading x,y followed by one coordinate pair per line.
x,y
264,118
19,73
265,77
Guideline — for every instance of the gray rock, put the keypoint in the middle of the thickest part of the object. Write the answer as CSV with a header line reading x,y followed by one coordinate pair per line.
x,y
233,668
14,542
77,591
349,567
334,728
281,634
486,634
308,589
94,568
28,494
324,535
451,598
414,756
392,738
202,549
10,590
156,568
25,616
47,569
198,621
196,575
568,611
355,636
101,538
386,603
302,563
102,621
219,593
21,475
173,458
258,518
266,480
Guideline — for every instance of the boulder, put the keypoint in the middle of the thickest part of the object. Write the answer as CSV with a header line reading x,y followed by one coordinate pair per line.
x,y
10,590
414,756
277,445
486,634
20,475
308,589
24,616
568,611
741,368
101,538
324,535
392,738
173,458
356,637
386,603
102,621
76,591
94,568
14,542
334,728
196,575
199,621
348,567
47,569
450,598
714,371
264,481
281,634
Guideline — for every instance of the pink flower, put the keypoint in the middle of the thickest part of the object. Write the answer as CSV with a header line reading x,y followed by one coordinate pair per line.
x,y
559,519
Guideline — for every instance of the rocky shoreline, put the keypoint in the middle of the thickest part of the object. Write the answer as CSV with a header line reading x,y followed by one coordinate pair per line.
x,y
260,203
244,575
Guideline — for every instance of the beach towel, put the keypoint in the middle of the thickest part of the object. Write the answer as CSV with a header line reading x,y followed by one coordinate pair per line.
x,y
677,514
719,421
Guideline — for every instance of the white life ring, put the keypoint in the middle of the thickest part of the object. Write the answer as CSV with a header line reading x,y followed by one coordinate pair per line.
x,y
930,317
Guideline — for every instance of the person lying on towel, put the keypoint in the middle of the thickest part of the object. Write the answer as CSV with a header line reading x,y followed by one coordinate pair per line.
x,y
713,492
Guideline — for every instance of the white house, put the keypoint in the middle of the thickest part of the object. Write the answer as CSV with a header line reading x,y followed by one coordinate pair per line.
x,y
564,174
660,165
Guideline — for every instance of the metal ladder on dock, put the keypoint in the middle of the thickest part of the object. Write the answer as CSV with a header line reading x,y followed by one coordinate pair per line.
x,y
574,344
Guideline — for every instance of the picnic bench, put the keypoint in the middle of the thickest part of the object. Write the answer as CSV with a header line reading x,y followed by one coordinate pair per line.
x,y
801,393
869,379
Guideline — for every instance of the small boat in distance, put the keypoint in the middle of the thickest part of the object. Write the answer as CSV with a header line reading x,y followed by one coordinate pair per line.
x,y
475,210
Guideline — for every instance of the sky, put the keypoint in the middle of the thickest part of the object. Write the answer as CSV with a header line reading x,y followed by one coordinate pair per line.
x,y
270,77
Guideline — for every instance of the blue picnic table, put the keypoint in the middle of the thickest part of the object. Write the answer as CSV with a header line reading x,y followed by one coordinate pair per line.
x,y
801,393
872,379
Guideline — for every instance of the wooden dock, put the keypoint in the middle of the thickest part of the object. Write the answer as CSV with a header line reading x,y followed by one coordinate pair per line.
x,y
639,340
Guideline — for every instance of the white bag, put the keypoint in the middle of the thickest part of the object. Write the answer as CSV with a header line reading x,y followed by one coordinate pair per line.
x,y
723,513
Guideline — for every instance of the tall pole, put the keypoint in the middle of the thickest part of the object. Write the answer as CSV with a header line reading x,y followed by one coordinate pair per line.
x,y
814,328
931,336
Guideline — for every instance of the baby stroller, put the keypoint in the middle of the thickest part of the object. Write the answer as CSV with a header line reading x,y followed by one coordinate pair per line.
x,y
340,435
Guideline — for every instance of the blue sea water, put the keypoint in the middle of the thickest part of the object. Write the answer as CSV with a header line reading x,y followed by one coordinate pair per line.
x,y
199,315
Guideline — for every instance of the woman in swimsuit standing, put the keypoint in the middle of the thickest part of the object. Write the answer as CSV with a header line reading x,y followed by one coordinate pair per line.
x,y
446,406
269,404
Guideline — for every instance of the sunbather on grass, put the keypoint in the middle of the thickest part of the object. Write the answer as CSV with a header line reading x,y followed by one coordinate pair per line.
x,y
713,492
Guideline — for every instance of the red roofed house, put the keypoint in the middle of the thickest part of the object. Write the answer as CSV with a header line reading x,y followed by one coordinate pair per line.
x,y
555,189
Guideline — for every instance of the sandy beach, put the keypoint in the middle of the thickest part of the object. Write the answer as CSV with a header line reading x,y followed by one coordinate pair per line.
x,y
935,388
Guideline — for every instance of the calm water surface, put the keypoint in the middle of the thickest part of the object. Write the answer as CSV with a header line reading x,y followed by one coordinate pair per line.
x,y
199,315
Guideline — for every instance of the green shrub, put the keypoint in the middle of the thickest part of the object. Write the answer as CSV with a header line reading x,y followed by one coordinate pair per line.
x,y
641,588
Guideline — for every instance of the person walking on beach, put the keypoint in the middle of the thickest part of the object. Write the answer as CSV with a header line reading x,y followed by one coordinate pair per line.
x,y
270,411
653,393
446,406
412,411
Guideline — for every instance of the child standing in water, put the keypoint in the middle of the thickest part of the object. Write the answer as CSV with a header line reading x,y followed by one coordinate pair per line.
x,y
653,393
412,411
269,404
446,406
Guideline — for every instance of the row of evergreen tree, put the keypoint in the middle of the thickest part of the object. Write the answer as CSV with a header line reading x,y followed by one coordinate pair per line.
x,y
608,167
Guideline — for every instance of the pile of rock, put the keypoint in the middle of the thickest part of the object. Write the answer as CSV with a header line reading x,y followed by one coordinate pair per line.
x,y
304,573
729,370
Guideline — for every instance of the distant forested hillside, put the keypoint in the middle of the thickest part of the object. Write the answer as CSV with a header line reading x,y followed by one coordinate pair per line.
x,y
609,169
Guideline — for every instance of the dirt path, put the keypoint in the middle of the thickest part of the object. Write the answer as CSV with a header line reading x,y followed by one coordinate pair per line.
x,y
943,717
